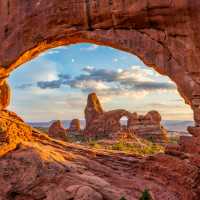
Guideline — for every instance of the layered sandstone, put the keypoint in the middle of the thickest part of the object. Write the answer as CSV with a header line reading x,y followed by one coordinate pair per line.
x,y
49,169
93,109
164,34
5,94
148,126
34,166
100,123
13,130
75,126
57,131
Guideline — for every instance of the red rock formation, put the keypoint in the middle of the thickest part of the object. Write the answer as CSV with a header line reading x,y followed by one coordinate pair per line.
x,y
57,131
93,109
101,123
4,95
75,126
153,116
164,34
13,130
46,168
33,166
148,126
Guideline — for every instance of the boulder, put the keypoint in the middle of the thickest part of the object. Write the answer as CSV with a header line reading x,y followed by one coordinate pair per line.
x,y
75,126
57,131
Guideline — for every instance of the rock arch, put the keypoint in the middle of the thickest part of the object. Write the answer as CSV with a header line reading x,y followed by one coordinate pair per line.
x,y
164,34
124,121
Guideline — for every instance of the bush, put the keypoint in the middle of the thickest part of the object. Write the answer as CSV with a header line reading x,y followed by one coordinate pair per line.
x,y
122,198
148,149
145,195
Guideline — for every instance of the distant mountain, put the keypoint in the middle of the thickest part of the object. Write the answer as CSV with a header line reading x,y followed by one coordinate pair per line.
x,y
171,125
65,123
177,125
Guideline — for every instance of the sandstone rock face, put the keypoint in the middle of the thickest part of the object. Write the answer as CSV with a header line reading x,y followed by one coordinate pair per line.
x,y
57,131
153,116
4,95
13,130
33,166
100,123
75,126
164,34
106,123
49,169
148,127
93,109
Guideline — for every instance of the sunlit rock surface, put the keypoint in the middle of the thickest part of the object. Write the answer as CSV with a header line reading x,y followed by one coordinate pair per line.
x,y
75,126
5,94
13,130
107,123
57,131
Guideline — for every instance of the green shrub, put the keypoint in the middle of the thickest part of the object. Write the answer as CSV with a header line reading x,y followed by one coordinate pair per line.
x,y
94,144
148,149
122,198
145,195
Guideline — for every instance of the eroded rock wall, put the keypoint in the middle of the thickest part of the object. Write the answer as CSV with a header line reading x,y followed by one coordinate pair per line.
x,y
164,34
13,130
101,123
5,94
148,126
57,131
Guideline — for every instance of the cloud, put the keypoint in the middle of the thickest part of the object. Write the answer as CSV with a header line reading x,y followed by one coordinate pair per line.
x,y
90,48
47,104
38,70
24,86
34,72
49,52
49,84
115,60
134,82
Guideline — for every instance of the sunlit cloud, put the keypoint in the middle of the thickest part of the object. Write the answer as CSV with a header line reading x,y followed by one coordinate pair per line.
x,y
133,81
92,47
115,59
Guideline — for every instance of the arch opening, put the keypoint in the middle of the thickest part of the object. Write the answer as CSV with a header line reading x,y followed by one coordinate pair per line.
x,y
124,122
52,82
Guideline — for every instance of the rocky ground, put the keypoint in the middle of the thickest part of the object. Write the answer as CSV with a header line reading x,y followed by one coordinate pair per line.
x,y
34,166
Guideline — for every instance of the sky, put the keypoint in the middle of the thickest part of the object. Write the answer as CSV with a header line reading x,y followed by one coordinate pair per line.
x,y
55,85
